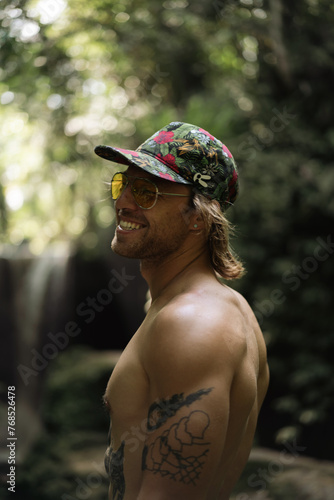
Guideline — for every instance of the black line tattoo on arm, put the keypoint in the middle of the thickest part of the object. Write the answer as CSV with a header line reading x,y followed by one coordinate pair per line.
x,y
113,462
180,451
161,410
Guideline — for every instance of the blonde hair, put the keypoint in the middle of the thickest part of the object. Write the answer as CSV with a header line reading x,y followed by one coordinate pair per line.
x,y
218,230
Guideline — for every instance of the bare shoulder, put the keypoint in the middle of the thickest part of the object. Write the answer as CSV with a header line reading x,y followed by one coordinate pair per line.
x,y
201,315
209,327
215,313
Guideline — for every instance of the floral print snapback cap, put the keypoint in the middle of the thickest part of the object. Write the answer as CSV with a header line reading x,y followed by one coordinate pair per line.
x,y
187,154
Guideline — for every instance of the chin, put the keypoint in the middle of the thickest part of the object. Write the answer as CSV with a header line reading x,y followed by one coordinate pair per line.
x,y
116,247
123,249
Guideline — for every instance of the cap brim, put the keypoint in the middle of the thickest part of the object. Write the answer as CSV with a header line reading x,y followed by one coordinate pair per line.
x,y
140,159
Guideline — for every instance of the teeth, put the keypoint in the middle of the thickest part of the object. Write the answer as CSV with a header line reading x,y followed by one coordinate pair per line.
x,y
128,225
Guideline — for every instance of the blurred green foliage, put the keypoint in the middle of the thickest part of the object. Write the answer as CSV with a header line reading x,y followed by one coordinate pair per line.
x,y
256,73
67,460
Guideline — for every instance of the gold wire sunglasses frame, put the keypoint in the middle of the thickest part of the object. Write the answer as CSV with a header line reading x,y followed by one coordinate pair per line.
x,y
144,191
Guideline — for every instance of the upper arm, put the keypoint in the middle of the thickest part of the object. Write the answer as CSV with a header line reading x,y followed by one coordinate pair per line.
x,y
190,376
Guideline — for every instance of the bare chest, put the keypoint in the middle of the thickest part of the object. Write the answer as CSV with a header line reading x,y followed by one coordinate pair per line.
x,y
127,394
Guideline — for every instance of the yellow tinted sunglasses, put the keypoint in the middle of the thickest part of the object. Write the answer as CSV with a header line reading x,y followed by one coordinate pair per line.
x,y
144,191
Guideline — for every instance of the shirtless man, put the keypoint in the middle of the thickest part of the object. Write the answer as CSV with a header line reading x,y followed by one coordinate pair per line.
x,y
185,395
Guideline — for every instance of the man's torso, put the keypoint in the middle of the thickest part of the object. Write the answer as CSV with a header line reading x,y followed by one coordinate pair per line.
x,y
128,390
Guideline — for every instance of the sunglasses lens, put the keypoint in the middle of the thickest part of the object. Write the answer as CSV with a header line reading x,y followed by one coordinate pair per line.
x,y
118,184
144,192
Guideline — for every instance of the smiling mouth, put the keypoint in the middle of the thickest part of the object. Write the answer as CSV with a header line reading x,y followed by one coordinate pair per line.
x,y
129,226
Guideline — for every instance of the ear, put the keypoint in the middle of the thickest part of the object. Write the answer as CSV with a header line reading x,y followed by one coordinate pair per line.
x,y
196,222
192,218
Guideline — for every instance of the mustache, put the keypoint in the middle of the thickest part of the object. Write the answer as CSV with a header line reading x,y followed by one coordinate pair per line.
x,y
125,212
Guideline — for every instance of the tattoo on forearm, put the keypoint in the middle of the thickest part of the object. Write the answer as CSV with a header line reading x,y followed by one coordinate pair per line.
x,y
180,452
163,409
113,462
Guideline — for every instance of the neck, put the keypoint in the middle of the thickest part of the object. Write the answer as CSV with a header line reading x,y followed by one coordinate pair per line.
x,y
160,275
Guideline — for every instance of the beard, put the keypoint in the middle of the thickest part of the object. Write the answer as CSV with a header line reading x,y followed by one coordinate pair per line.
x,y
155,244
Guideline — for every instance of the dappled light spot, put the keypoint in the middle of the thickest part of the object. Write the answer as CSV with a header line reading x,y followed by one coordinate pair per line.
x,y
122,17
55,101
105,216
76,225
7,97
14,197
245,104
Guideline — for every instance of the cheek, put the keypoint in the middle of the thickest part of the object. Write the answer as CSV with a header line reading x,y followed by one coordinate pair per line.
x,y
184,212
164,227
175,219
186,215
175,226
